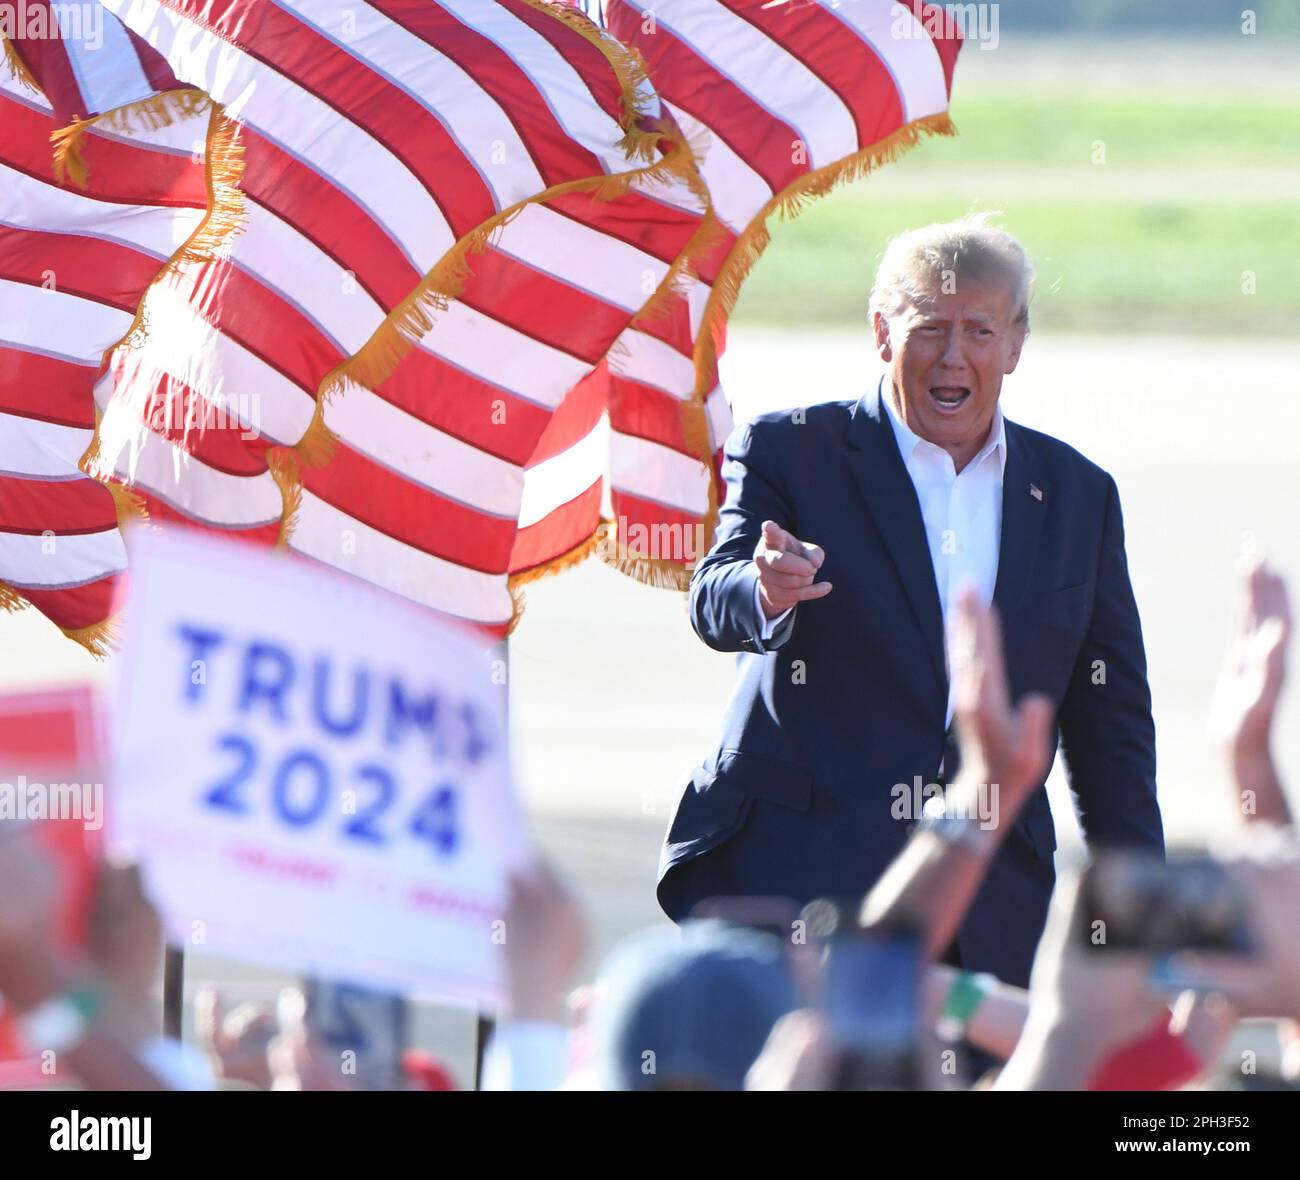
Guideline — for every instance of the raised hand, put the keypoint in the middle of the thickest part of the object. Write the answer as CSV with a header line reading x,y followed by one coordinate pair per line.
x,y
1245,697
1004,745
787,569
546,938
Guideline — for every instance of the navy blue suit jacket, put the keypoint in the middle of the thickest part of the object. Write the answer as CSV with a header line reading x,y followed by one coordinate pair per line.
x,y
849,697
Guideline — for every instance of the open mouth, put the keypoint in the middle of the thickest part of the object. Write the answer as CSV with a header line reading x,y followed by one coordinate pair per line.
x,y
949,398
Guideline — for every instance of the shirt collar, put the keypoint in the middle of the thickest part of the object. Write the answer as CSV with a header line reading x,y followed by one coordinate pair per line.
x,y
908,440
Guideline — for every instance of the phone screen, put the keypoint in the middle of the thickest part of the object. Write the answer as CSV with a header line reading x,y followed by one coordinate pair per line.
x,y
872,995
1136,901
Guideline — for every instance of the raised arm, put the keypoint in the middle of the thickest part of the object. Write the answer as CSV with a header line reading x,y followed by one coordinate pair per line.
x,y
935,877
1107,734
1246,696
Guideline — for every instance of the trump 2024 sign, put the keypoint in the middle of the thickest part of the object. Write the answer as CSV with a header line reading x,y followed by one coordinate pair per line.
x,y
314,774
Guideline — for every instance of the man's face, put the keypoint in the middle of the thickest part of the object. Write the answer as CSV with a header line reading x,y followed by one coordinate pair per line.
x,y
947,356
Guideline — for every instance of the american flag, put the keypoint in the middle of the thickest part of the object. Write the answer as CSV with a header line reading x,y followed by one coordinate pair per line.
x,y
453,316
74,264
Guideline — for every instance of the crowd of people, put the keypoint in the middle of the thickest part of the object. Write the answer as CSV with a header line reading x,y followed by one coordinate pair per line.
x,y
1143,973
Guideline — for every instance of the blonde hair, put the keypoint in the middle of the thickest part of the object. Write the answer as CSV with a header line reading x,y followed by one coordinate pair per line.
x,y
921,263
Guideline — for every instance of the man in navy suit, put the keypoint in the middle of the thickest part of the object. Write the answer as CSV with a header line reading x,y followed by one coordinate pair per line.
x,y
841,717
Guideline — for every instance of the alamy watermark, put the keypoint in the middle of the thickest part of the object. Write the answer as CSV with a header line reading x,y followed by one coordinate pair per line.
x,y
176,417
25,800
82,23
974,23
918,798
662,541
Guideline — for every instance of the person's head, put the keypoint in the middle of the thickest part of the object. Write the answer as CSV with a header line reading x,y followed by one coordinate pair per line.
x,y
689,1008
950,311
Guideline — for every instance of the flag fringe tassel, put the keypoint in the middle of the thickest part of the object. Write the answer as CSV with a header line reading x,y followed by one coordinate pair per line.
x,y
99,638
740,260
602,543
223,168
11,601
567,560
649,571
146,114
413,317
18,67
283,465
372,364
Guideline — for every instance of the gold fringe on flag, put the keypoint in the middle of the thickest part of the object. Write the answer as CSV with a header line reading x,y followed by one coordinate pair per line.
x,y
518,600
637,99
749,246
411,319
683,272
129,503
100,639
659,572
602,543
18,67
372,364
223,169
10,599
579,553
146,114
517,581
283,465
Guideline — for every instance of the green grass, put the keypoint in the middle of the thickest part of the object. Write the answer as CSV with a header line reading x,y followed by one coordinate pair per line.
x,y
1156,239
1139,131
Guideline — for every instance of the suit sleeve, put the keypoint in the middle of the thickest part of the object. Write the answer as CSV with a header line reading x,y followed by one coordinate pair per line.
x,y
1107,733
723,600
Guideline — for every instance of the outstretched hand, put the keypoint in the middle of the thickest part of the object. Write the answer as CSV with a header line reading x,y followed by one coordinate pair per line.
x,y
787,569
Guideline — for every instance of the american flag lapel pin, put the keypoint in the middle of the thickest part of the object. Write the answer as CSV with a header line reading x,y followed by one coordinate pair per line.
x,y
1035,491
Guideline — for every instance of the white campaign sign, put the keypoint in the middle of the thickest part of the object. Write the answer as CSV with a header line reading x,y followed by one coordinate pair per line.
x,y
314,774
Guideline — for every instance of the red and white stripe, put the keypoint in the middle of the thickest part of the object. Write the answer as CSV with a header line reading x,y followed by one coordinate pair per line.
x,y
73,265
479,454
771,94
86,61
375,137
781,91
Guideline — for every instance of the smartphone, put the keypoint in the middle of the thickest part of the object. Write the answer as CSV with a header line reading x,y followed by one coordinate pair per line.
x,y
871,995
372,1026
1134,901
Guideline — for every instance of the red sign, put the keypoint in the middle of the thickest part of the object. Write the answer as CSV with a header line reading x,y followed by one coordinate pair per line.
x,y
46,736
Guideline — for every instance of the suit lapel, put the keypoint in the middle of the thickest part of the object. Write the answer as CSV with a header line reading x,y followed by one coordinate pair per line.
x,y
1024,490
891,500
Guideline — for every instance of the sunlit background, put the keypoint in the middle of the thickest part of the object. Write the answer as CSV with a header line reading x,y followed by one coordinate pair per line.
x,y
1155,179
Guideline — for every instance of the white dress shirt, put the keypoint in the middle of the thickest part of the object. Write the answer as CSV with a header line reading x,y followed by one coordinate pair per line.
x,y
961,511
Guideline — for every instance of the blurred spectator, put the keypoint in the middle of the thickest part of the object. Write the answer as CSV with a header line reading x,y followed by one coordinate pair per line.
x,y
66,1008
689,1009
125,940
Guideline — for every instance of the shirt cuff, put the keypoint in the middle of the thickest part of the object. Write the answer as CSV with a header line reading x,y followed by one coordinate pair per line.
x,y
526,1055
767,627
